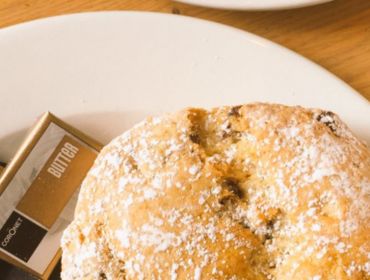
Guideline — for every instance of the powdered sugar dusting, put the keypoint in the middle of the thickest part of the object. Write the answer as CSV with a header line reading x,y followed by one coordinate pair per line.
x,y
248,192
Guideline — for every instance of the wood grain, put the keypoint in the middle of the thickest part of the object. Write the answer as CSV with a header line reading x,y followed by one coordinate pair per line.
x,y
335,35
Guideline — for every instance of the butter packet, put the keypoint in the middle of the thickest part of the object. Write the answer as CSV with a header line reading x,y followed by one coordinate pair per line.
x,y
38,193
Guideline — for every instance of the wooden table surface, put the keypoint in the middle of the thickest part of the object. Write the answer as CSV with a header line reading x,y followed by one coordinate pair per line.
x,y
335,35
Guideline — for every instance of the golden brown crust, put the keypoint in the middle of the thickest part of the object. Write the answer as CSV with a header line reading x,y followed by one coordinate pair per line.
x,y
258,191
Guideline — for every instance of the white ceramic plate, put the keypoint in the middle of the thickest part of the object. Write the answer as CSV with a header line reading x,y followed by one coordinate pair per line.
x,y
103,72
254,4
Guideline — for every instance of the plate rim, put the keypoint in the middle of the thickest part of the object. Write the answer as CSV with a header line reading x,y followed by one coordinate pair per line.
x,y
19,27
239,5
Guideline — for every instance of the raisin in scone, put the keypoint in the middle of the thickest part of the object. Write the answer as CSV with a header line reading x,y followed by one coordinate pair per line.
x,y
258,191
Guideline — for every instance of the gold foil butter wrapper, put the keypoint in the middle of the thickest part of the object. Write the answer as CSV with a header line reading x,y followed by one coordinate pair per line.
x,y
38,193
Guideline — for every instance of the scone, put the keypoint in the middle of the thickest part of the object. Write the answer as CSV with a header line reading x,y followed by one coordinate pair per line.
x,y
258,191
